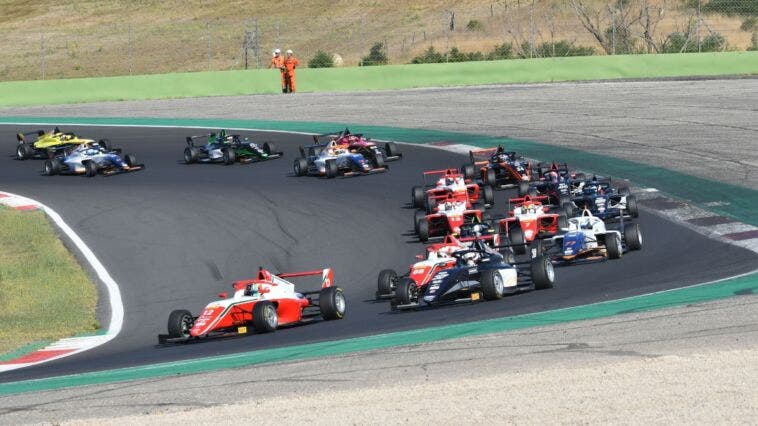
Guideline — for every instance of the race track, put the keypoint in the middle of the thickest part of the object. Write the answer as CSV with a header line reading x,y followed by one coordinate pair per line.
x,y
173,236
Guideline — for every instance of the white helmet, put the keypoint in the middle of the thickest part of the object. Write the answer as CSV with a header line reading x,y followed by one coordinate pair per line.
x,y
289,51
277,51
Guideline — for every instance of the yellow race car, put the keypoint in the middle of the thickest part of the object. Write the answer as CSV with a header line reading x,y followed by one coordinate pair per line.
x,y
49,144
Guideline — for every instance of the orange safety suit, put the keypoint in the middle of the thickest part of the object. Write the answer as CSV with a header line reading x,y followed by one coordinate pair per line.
x,y
277,61
290,63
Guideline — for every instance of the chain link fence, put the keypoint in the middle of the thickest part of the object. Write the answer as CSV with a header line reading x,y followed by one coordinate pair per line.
x,y
520,28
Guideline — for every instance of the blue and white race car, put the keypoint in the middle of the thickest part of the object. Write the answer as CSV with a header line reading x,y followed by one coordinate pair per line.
x,y
588,240
332,159
90,159
603,201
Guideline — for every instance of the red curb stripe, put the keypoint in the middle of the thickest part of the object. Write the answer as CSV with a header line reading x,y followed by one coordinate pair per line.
x,y
38,356
25,208
739,236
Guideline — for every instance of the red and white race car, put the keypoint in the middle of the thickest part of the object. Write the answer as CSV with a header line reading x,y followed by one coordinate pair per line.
x,y
529,219
450,184
263,303
447,219
358,144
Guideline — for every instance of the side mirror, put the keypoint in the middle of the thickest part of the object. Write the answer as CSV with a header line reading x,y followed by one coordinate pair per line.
x,y
419,257
223,295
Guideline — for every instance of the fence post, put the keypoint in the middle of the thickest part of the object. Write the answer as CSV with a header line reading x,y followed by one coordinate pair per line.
x,y
613,30
131,64
42,53
257,45
208,27
697,29
531,29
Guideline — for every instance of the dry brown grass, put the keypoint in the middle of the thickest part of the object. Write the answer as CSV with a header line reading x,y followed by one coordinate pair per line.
x,y
91,38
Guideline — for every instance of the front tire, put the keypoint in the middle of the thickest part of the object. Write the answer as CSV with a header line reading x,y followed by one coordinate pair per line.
x,y
105,144
543,274
179,323
492,285
516,235
523,188
406,291
468,171
417,197
301,167
190,155
488,195
90,169
632,236
265,318
418,217
51,167
331,169
631,206
490,177
391,149
331,301
423,231
130,160
269,148
613,246
228,156
386,282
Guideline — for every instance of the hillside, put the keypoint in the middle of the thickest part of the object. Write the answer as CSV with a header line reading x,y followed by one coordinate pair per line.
x,y
80,38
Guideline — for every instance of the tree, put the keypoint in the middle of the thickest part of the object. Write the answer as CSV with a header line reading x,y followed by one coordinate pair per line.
x,y
376,55
321,60
430,56
501,51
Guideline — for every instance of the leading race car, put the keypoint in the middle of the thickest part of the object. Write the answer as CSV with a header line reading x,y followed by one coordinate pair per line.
x,y
332,159
264,303
480,272
588,240
49,144
450,184
90,159
499,168
228,149
358,144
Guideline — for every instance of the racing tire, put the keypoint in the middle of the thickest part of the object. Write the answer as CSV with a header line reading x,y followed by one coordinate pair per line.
x,y
543,273
391,149
468,171
406,291
228,156
24,151
562,222
488,196
301,167
490,177
631,206
523,188
386,282
516,235
377,162
130,160
632,236
331,169
568,209
423,231
417,197
51,167
563,199
613,246
508,256
430,204
179,323
269,148
492,285
331,302
190,155
418,217
105,144
90,169
625,191
265,318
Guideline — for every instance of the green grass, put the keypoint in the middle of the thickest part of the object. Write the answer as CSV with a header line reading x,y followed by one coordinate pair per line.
x,y
44,292
183,85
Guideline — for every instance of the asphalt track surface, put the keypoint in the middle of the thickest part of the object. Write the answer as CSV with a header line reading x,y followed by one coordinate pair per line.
x,y
174,235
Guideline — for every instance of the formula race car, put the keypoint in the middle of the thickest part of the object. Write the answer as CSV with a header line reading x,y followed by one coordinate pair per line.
x,y
529,219
479,272
264,303
90,159
448,218
588,240
228,149
499,168
556,183
49,144
603,200
358,144
438,257
332,159
450,184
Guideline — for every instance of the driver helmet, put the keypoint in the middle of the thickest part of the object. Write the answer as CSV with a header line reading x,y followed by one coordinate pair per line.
x,y
590,189
470,258
553,176
449,181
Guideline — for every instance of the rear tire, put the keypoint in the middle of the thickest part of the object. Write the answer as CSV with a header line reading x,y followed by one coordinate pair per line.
x,y
562,222
543,274
190,155
331,301
301,167
431,204
265,318
406,291
229,156
378,161
632,236
568,209
490,177
105,144
90,169
423,231
51,167
516,235
418,217
492,285
625,191
269,148
631,206
417,197
130,160
523,188
331,169
387,281
468,171
613,246
179,323
24,151
488,195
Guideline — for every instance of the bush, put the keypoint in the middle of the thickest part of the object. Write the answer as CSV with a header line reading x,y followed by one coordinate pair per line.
x,y
430,56
677,42
626,43
475,25
749,24
557,49
456,55
376,55
321,60
501,51
754,45
731,7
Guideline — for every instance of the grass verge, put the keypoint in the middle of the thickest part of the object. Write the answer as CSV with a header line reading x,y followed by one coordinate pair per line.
x,y
183,85
44,292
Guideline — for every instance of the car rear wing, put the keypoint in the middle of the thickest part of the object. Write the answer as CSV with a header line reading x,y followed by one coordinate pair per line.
x,y
327,275
191,139
480,157
517,201
440,172
21,137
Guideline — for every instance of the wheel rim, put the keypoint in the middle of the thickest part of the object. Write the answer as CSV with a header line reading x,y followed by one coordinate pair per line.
x,y
639,239
48,168
550,271
186,325
498,281
20,152
270,315
339,302
297,168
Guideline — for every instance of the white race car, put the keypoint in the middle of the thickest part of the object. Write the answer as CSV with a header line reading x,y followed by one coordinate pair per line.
x,y
332,159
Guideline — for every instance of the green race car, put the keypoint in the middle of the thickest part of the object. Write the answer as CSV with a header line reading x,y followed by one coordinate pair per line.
x,y
228,149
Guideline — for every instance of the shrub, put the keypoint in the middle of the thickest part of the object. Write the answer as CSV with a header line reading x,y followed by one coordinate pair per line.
x,y
677,42
376,55
430,56
456,55
754,45
474,25
749,24
321,60
501,51
731,7
558,49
